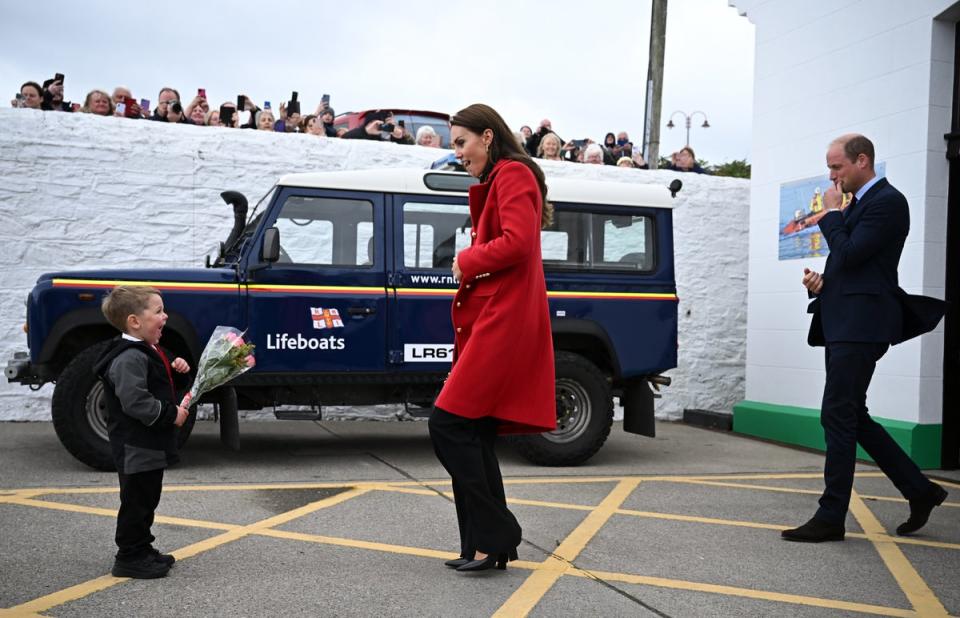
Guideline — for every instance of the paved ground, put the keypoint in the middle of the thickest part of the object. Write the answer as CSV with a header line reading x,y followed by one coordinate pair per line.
x,y
352,519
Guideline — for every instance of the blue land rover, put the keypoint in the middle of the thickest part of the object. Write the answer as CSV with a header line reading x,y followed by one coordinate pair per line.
x,y
343,282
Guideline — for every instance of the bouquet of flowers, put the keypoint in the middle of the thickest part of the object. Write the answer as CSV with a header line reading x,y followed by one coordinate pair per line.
x,y
225,356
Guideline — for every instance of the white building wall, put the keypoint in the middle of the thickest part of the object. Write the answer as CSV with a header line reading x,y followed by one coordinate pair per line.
x,y
78,191
825,68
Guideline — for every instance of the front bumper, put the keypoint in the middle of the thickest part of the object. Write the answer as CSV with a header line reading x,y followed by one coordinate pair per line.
x,y
19,369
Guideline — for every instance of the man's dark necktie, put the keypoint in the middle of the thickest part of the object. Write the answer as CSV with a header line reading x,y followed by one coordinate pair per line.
x,y
849,208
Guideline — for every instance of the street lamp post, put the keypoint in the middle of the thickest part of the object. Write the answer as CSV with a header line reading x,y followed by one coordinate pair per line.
x,y
687,118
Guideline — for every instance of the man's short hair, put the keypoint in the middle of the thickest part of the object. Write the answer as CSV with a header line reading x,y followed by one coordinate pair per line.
x,y
855,145
168,89
126,300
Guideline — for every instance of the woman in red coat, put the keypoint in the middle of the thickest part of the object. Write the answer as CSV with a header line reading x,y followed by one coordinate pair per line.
x,y
502,377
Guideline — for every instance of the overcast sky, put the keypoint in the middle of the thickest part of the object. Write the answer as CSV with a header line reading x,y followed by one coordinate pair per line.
x,y
583,65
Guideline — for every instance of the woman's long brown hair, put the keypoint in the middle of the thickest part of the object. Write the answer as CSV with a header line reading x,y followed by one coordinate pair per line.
x,y
479,117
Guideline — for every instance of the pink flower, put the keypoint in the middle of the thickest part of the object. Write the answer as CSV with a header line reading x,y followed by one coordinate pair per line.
x,y
234,339
250,360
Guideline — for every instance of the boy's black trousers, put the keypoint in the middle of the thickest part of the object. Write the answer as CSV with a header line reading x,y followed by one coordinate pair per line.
x,y
139,497
465,447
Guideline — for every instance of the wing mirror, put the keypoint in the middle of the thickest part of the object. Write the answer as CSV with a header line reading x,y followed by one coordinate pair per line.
x,y
270,252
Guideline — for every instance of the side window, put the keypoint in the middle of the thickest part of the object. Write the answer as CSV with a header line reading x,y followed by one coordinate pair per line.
x,y
567,243
434,233
326,231
580,240
627,241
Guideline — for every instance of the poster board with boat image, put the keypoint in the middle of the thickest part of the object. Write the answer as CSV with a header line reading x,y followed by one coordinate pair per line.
x,y
801,207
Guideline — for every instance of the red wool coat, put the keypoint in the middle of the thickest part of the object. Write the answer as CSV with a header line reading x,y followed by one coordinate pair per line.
x,y
503,350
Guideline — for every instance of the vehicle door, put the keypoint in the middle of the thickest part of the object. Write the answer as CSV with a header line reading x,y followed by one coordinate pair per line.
x,y
323,306
428,232
604,279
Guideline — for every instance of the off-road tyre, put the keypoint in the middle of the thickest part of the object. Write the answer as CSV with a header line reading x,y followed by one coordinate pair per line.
x,y
80,411
584,416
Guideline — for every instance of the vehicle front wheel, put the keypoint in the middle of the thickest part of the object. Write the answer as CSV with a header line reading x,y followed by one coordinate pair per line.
x,y
80,411
584,416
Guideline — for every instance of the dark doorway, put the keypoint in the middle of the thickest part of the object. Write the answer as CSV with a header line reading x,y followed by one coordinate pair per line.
x,y
950,453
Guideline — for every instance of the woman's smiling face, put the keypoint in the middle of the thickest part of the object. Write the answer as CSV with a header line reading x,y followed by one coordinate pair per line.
x,y
470,148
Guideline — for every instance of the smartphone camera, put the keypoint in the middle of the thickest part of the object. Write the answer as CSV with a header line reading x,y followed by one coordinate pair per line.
x,y
128,111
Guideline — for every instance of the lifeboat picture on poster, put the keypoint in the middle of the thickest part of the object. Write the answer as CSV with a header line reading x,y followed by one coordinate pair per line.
x,y
801,207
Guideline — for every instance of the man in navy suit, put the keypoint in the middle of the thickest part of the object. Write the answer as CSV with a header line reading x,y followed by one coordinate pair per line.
x,y
858,311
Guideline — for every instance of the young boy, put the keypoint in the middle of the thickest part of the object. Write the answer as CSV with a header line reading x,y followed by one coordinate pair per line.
x,y
143,418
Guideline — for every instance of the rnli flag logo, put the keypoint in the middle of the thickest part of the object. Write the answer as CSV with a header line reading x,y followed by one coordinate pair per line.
x,y
325,318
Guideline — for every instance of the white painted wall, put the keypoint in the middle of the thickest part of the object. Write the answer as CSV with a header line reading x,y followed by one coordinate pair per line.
x,y
825,68
78,191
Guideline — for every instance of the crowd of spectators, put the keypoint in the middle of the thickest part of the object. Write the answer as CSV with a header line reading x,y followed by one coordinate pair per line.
x,y
544,143
616,149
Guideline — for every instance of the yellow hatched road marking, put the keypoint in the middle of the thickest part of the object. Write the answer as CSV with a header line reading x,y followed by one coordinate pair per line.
x,y
762,595
357,544
539,583
921,597
95,510
80,591
790,490
523,501
546,573
536,480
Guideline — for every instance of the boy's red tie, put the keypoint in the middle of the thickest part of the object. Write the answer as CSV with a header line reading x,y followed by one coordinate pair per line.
x,y
166,365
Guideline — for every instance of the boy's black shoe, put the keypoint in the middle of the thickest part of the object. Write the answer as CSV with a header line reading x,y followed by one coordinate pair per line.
x,y
145,567
166,559
920,510
815,531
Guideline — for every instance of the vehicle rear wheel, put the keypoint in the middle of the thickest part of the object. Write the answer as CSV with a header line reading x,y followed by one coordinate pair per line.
x,y
80,412
584,415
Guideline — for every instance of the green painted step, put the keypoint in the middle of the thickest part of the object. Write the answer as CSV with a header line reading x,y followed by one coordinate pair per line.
x,y
801,427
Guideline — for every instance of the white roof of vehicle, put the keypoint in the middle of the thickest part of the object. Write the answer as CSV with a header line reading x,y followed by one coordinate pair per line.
x,y
412,181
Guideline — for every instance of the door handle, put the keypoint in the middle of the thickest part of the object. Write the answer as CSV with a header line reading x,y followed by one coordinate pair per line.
x,y
361,311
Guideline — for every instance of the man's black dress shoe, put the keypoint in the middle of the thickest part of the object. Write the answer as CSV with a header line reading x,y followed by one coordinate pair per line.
x,y
920,510
166,559
815,531
144,567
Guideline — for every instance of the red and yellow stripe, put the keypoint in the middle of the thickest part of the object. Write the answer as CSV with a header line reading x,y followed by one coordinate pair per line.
x,y
160,285
258,288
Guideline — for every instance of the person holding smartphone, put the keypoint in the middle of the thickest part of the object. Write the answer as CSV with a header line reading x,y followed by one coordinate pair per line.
x,y
327,117
30,96
53,95
198,101
380,125
124,104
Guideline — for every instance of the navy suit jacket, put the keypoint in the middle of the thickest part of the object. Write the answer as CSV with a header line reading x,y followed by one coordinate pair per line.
x,y
861,299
